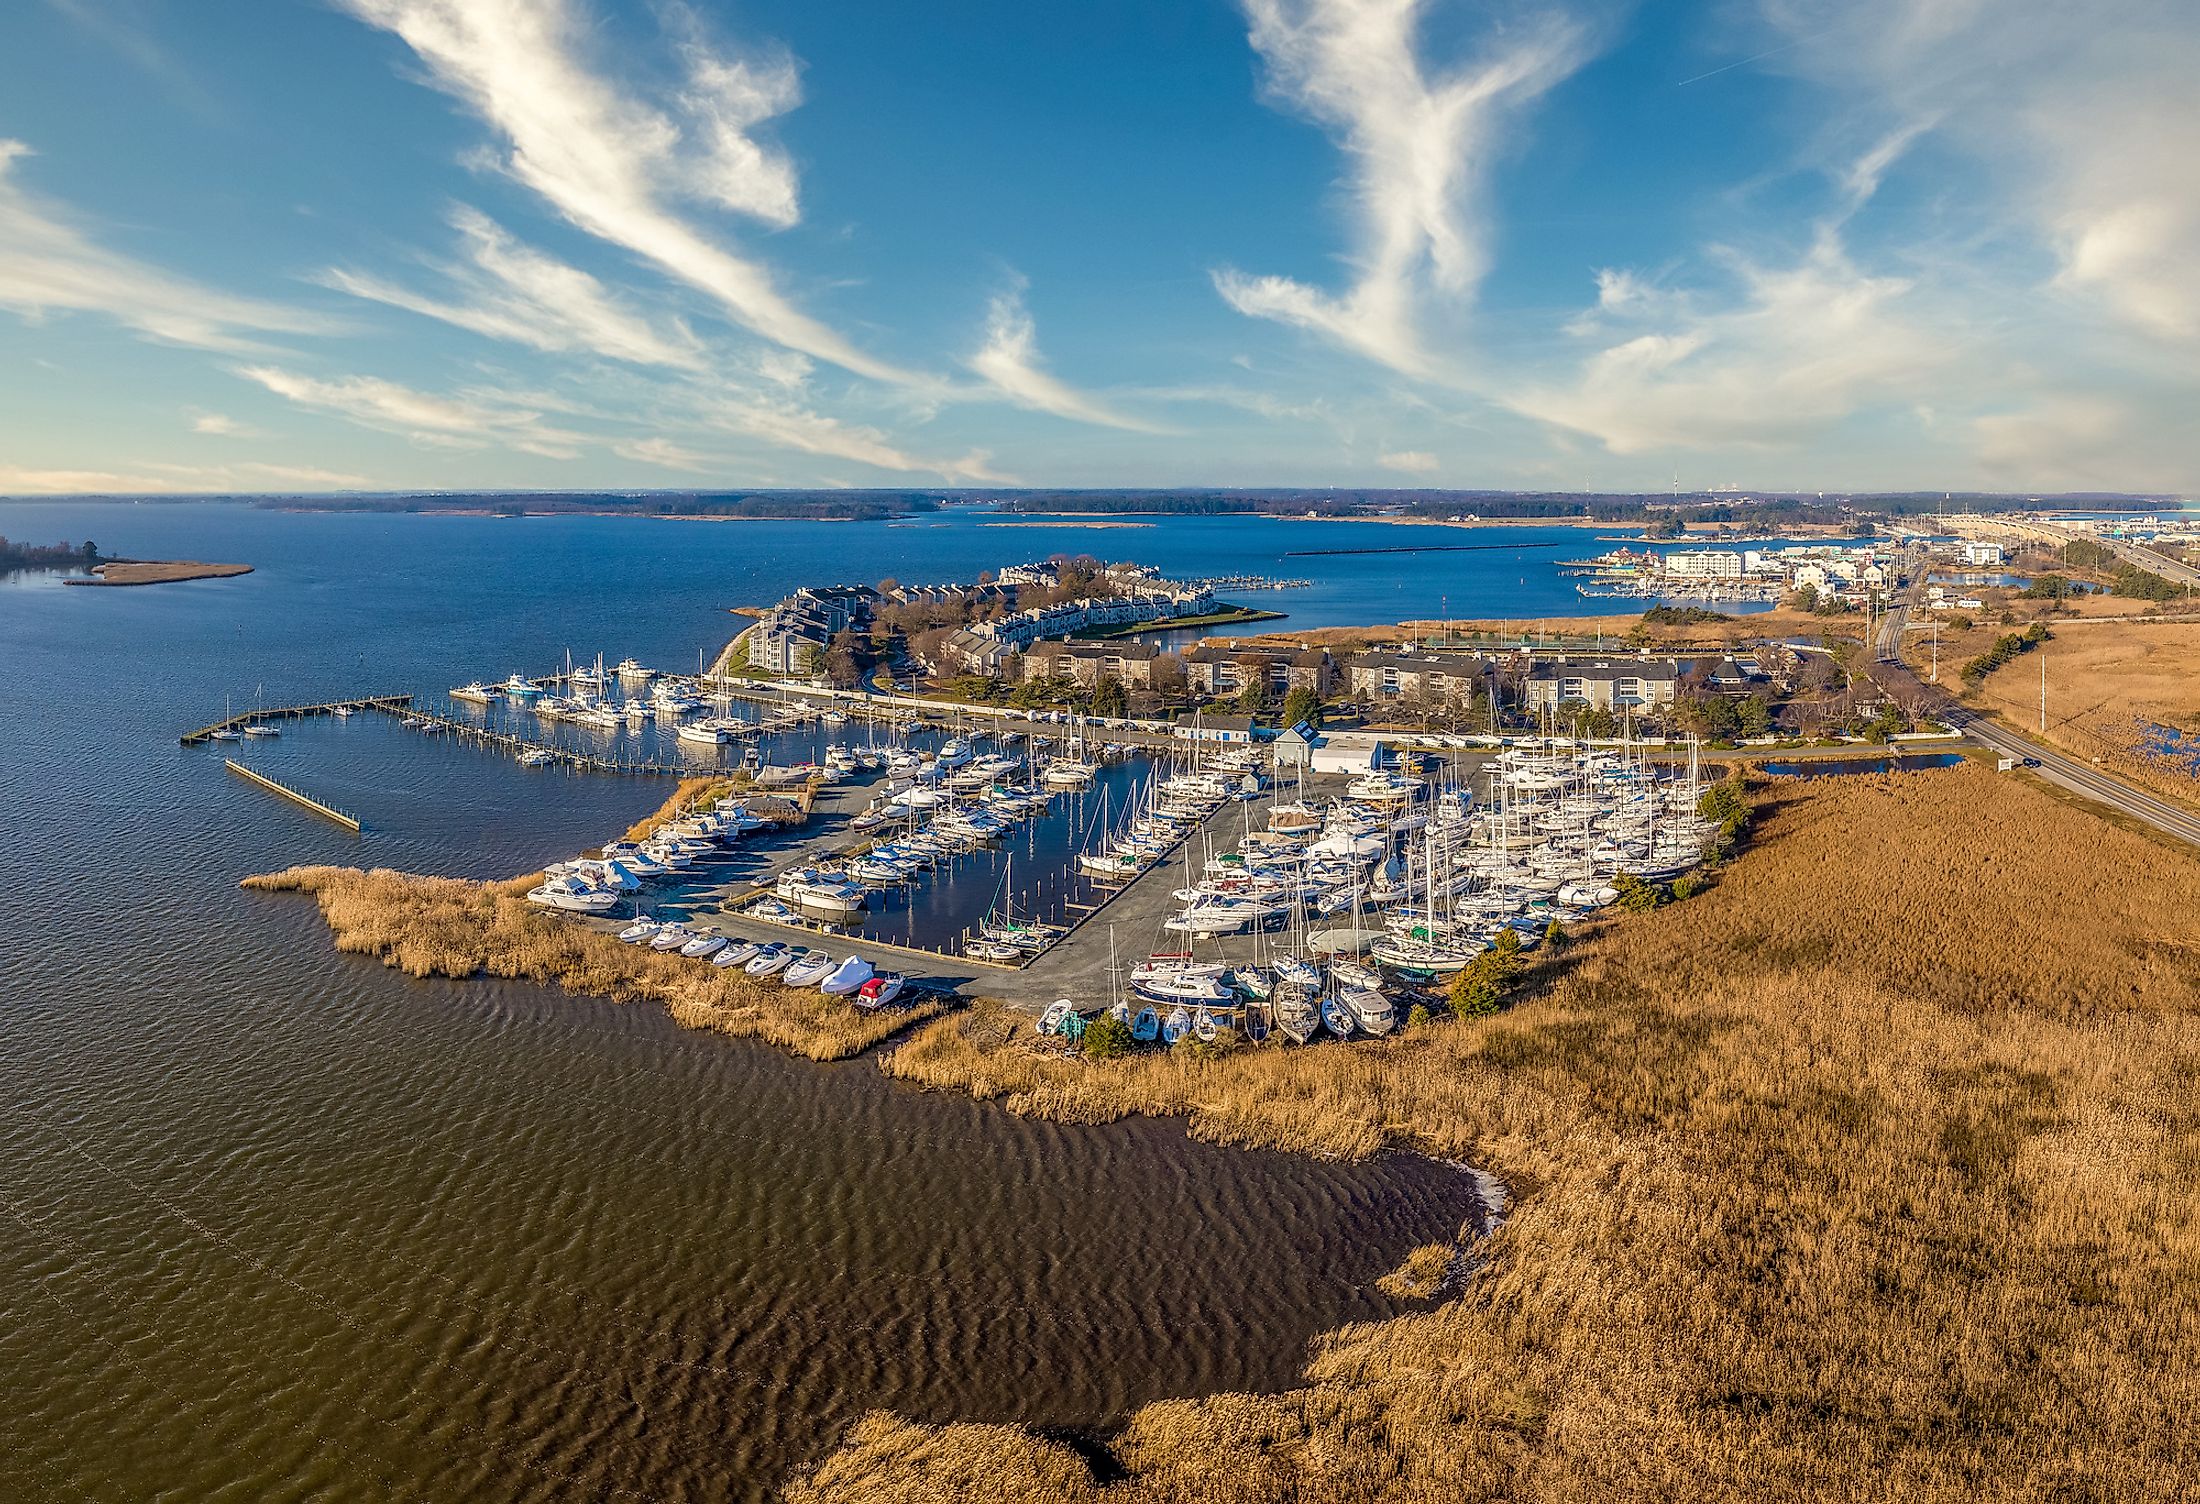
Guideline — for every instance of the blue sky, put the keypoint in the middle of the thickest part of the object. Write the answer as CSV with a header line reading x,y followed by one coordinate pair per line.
x,y
1815,244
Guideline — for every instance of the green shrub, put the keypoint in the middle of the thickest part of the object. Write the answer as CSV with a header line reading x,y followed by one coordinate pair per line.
x,y
1106,1037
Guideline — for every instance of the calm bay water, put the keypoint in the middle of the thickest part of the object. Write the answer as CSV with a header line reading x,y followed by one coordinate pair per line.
x,y
277,1223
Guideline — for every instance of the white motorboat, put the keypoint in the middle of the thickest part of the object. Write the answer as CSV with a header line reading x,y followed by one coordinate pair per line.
x,y
1057,1013
807,968
770,959
573,896
847,977
815,890
735,953
880,990
704,733
520,687
478,693
640,930
704,945
671,937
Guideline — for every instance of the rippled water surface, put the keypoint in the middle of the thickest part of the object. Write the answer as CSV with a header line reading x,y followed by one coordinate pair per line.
x,y
277,1223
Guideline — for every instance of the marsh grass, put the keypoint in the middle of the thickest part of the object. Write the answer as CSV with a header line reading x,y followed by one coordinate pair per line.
x,y
449,927
1867,1174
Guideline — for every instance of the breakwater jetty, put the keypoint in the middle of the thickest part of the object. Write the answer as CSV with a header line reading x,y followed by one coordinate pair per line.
x,y
295,796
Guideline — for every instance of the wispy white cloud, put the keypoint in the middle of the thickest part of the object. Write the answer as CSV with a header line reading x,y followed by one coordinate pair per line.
x,y
511,291
158,477
1010,361
617,166
49,266
222,426
2081,116
448,422
1801,348
1410,462
666,455
1420,138
789,425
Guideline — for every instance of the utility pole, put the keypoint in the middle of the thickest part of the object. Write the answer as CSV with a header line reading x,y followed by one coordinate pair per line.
x,y
2043,688
1936,650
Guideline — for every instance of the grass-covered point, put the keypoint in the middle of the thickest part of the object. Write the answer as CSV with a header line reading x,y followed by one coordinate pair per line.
x,y
1864,1175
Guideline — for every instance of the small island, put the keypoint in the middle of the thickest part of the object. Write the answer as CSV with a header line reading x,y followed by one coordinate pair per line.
x,y
156,572
85,562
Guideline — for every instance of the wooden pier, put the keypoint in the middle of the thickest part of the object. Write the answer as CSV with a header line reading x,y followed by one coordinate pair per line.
x,y
205,734
349,822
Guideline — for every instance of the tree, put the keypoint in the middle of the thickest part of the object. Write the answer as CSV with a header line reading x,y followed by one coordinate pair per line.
x,y
1110,698
1637,896
1754,715
813,661
1478,989
845,660
1302,704
1168,675
1252,696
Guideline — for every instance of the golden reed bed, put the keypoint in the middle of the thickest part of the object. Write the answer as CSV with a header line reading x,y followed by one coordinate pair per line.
x,y
450,927
1867,1175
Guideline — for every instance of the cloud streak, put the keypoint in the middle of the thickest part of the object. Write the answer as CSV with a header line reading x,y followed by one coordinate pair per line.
x,y
49,266
1009,361
463,422
1420,140
509,291
617,166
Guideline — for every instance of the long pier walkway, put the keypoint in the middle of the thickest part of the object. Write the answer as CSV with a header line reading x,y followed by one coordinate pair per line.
x,y
391,703
520,746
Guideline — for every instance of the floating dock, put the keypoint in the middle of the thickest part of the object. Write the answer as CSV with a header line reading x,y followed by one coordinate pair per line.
x,y
349,822
286,712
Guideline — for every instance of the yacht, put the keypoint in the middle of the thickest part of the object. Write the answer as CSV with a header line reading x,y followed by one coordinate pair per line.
x,y
520,687
477,693
707,734
261,730
573,896
816,890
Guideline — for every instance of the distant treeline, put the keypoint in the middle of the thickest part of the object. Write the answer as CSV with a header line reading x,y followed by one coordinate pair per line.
x,y
838,506
14,556
1759,510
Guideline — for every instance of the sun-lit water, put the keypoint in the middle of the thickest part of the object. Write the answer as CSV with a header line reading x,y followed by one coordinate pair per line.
x,y
277,1223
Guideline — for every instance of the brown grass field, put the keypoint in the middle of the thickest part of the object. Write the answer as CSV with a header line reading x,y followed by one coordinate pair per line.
x,y
448,927
2106,681
1867,1174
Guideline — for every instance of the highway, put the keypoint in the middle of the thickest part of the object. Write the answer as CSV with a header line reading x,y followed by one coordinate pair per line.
x,y
1891,674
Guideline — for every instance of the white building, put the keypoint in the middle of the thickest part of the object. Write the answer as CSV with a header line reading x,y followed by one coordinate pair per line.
x,y
1981,553
1704,564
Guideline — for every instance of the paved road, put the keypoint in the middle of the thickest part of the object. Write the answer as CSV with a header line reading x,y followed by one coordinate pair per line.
x,y
2071,773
